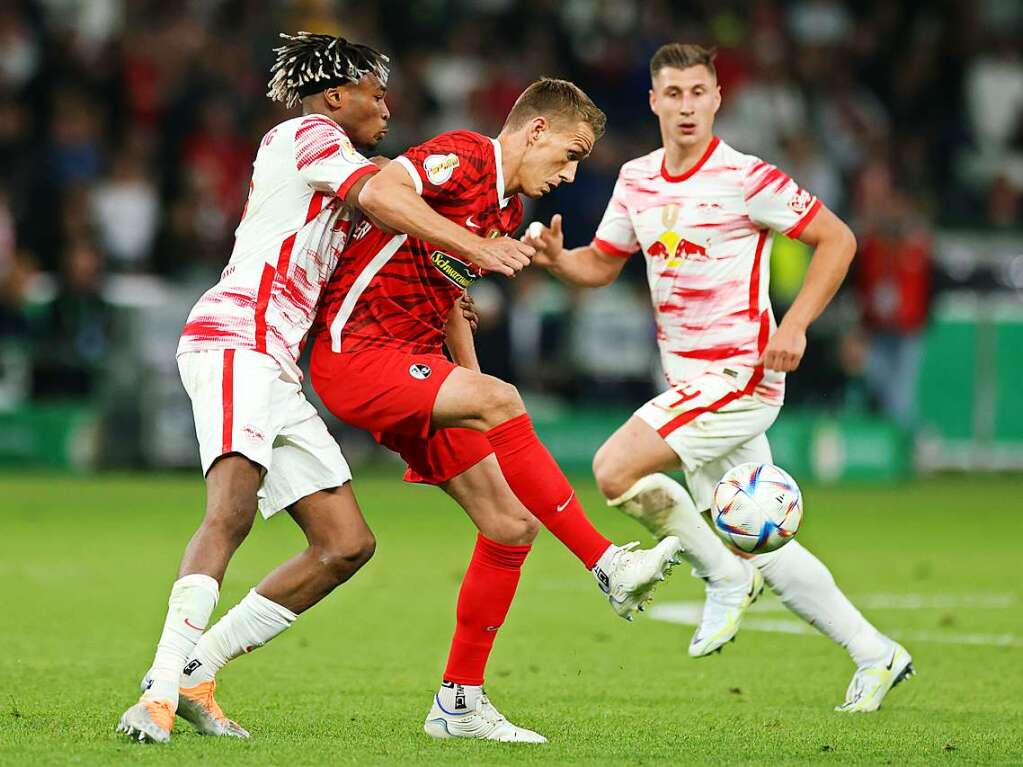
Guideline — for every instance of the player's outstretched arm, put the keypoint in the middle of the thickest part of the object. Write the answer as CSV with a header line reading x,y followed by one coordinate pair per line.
x,y
459,340
834,247
390,197
586,266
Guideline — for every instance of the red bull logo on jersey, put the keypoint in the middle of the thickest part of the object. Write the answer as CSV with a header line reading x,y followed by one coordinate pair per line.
x,y
674,248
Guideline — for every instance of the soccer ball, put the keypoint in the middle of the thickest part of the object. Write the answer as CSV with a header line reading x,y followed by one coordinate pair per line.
x,y
757,507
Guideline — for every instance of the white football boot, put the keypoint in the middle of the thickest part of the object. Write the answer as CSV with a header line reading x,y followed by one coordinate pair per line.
x,y
632,575
870,684
484,722
723,611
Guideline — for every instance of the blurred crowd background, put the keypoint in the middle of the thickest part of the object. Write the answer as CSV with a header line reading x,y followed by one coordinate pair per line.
x,y
128,128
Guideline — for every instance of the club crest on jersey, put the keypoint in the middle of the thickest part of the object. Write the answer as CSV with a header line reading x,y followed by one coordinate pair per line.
x,y
800,201
460,273
420,371
439,167
674,248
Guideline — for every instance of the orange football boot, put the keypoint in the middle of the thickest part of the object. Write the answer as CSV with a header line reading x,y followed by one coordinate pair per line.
x,y
197,706
148,720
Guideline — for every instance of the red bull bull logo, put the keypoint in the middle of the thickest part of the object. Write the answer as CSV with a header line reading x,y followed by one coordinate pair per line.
x,y
674,248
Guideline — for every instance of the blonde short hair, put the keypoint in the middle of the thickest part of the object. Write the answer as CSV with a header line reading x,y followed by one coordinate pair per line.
x,y
558,100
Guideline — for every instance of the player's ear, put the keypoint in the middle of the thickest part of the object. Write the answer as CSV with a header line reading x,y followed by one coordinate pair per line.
x,y
333,98
537,126
653,101
717,98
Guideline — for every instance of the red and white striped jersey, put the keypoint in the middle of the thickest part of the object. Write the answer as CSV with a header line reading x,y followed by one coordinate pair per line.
x,y
293,229
707,239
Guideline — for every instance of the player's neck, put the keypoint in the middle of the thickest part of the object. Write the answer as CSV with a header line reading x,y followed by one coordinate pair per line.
x,y
680,159
509,164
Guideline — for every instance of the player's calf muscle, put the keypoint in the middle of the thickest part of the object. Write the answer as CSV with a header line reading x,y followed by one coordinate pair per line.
x,y
231,487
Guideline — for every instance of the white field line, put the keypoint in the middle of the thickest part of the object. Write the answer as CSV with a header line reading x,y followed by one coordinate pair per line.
x,y
688,614
911,602
934,601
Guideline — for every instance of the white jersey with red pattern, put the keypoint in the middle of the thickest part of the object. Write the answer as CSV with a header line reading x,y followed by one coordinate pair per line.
x,y
707,239
293,229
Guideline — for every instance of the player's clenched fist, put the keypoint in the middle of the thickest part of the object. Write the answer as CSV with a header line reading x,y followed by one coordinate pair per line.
x,y
785,350
502,255
547,240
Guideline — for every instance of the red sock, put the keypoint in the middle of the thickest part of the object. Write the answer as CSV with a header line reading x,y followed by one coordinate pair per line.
x,y
538,483
483,602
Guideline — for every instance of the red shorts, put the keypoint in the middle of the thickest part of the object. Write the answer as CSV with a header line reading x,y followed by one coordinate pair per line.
x,y
390,394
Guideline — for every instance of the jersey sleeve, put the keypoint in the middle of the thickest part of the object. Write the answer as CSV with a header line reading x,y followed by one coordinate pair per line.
x,y
615,235
326,158
447,167
776,201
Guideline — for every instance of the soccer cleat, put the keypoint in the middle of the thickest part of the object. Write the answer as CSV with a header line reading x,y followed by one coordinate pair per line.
x,y
484,722
197,706
632,575
870,684
723,611
148,720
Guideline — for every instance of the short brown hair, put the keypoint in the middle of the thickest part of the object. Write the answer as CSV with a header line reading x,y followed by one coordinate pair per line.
x,y
683,56
556,99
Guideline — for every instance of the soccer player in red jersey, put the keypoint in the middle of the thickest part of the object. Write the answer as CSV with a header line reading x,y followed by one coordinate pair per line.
x,y
703,215
377,364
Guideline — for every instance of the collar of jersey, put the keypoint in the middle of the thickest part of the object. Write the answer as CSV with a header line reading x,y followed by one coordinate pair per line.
x,y
500,174
699,163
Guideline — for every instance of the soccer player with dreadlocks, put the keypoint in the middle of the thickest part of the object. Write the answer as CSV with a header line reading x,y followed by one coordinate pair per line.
x,y
261,443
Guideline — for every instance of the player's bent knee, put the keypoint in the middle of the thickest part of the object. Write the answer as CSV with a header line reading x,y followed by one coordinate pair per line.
x,y
343,560
231,520
520,531
610,479
513,531
530,529
499,401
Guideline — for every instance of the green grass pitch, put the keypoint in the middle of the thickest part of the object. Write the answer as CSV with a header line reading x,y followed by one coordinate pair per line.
x,y
87,563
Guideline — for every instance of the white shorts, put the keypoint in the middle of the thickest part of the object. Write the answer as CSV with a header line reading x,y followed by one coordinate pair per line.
x,y
712,423
242,403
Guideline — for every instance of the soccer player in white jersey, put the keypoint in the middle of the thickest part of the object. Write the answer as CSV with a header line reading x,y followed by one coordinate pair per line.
x,y
261,443
703,215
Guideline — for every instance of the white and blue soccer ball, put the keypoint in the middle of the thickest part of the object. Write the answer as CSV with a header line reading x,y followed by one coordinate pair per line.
x,y
757,507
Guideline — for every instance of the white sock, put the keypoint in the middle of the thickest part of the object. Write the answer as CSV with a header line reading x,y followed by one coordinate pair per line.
x,y
664,508
805,585
189,608
249,624
456,698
